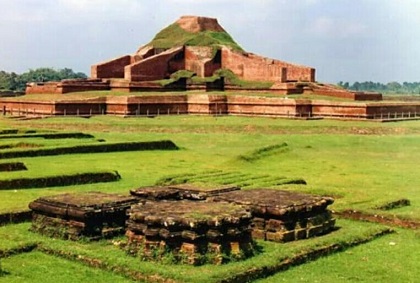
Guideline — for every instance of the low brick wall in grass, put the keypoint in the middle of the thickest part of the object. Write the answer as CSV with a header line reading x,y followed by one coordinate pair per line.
x,y
49,136
59,181
12,166
15,217
92,148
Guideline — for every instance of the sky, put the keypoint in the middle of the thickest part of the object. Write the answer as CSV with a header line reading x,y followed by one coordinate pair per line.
x,y
345,40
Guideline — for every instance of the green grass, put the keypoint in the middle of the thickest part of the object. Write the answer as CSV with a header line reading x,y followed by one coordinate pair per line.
x,y
362,164
114,258
39,267
230,78
174,35
384,260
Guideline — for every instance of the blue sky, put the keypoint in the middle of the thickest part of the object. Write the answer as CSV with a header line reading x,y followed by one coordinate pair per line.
x,y
345,40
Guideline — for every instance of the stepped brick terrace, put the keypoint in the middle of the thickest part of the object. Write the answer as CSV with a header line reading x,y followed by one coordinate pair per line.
x,y
186,62
209,104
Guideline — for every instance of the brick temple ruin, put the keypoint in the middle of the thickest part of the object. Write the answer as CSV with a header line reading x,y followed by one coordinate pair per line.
x,y
201,46
153,62
197,54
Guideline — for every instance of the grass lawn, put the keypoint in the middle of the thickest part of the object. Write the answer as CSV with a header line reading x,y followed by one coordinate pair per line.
x,y
114,258
361,164
39,267
383,260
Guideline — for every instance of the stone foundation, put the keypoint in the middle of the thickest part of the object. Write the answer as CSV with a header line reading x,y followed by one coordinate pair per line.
x,y
91,216
189,232
283,216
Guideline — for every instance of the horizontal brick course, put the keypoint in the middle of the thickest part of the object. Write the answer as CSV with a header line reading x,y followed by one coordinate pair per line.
x,y
208,104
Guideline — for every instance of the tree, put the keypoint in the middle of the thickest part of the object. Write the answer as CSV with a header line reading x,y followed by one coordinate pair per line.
x,y
15,82
391,87
8,81
394,86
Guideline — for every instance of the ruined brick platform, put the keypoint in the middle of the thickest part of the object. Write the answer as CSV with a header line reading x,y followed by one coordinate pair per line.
x,y
189,232
91,215
179,192
206,104
154,62
283,216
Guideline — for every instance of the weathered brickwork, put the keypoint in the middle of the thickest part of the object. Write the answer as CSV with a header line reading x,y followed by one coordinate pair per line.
x,y
156,67
207,104
66,86
257,68
111,69
151,63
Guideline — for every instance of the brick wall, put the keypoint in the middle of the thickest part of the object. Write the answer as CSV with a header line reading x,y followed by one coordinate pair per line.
x,y
393,110
338,109
211,104
155,67
28,107
357,96
111,69
267,106
42,88
207,104
148,105
297,72
256,68
80,108
66,86
196,58
363,96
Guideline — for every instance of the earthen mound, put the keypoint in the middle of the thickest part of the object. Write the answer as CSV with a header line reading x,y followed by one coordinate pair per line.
x,y
196,24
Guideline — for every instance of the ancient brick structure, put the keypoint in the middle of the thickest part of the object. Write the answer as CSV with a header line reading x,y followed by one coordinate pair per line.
x,y
154,63
283,216
67,86
91,215
199,45
278,216
191,232
209,104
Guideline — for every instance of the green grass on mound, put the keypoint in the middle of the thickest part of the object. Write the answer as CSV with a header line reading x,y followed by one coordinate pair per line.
x,y
174,35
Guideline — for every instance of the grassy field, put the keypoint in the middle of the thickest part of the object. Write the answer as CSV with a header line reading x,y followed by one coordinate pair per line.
x,y
363,165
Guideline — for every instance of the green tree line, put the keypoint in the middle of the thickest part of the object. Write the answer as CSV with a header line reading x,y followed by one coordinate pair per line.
x,y
15,82
391,87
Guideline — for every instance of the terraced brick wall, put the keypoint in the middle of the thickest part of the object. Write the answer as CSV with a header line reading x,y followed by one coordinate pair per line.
x,y
111,69
256,68
156,67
